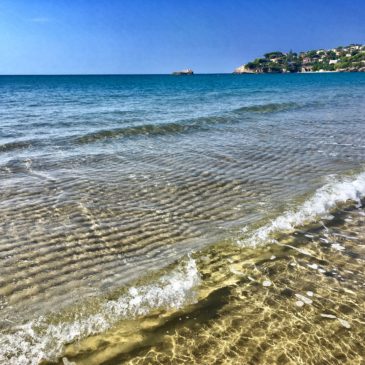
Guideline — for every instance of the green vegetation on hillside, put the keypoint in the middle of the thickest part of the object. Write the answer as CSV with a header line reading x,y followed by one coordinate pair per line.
x,y
350,58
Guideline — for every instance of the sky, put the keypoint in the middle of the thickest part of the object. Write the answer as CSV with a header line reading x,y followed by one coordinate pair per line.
x,y
161,36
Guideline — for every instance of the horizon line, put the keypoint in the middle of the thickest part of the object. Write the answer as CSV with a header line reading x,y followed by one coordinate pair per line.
x,y
112,74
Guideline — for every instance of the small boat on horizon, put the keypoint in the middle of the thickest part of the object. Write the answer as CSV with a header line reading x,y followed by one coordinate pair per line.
x,y
187,71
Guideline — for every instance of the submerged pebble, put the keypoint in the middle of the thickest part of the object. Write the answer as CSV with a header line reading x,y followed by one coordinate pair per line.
x,y
67,362
337,246
304,299
325,315
235,272
344,323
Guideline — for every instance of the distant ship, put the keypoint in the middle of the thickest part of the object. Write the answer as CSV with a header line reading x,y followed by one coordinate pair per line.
x,y
188,71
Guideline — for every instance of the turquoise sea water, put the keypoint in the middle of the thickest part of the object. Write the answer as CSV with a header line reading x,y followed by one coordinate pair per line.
x,y
106,180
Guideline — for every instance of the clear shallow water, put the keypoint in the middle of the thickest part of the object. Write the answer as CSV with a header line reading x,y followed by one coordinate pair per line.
x,y
106,180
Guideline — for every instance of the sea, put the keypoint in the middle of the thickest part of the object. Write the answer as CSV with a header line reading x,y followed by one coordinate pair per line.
x,y
205,219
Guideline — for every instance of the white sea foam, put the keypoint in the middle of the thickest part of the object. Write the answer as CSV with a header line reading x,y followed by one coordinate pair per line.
x,y
318,206
28,344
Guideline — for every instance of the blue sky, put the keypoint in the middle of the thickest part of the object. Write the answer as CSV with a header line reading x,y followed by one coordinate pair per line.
x,y
159,36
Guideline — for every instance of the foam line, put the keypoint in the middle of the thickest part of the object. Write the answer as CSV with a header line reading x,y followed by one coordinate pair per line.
x,y
319,205
39,340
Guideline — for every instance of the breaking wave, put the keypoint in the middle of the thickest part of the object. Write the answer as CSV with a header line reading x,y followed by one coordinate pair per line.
x,y
10,146
268,108
184,126
39,340
324,200
152,129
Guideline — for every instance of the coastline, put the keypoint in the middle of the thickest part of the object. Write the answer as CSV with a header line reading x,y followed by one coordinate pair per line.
x,y
350,58
291,73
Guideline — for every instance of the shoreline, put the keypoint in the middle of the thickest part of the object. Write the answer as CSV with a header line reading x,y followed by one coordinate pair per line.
x,y
106,180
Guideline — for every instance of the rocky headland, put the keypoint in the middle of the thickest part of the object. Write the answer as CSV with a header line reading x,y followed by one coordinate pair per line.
x,y
341,59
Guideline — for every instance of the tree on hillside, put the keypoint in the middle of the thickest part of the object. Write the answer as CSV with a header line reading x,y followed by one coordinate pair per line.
x,y
294,66
271,55
291,56
274,67
331,55
311,54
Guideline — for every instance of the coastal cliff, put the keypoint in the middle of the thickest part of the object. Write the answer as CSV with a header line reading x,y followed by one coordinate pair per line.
x,y
341,59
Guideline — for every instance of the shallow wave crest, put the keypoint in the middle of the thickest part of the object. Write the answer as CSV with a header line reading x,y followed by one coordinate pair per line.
x,y
40,340
320,204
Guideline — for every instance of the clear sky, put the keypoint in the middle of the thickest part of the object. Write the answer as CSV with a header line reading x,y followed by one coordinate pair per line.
x,y
160,36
